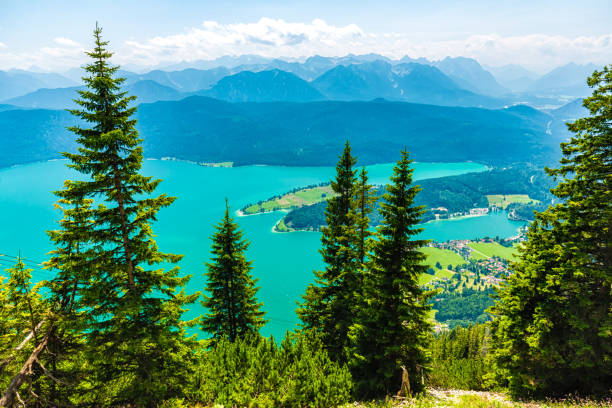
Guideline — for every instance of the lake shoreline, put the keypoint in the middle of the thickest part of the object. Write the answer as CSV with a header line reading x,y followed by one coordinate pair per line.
x,y
218,164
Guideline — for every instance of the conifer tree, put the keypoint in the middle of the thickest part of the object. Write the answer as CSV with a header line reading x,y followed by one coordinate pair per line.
x,y
136,344
233,309
25,300
23,335
330,302
364,205
392,330
70,261
554,316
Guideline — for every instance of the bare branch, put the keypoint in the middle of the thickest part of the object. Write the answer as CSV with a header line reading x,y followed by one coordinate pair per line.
x,y
23,375
21,345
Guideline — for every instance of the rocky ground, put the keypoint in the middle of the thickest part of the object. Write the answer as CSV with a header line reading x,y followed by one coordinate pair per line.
x,y
478,399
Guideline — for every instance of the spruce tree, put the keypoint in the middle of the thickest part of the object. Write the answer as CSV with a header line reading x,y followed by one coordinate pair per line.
x,y
233,309
364,205
554,316
23,334
392,329
136,344
70,261
329,304
25,299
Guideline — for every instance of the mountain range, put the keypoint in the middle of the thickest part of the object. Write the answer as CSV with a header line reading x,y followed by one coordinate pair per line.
x,y
17,82
270,111
448,82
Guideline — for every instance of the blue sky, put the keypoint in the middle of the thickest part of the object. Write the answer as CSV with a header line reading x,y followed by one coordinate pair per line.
x,y
537,34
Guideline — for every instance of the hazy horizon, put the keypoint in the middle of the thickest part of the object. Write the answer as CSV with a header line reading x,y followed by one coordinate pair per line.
x,y
538,36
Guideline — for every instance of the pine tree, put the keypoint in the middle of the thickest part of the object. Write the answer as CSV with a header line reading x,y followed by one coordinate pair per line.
x,y
26,300
69,261
136,344
392,330
233,309
329,304
554,316
23,336
364,205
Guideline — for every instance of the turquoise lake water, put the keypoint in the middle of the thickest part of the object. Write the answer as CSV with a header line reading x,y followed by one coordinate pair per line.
x,y
282,262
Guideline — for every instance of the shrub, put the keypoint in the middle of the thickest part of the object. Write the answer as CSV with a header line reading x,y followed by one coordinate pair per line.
x,y
257,372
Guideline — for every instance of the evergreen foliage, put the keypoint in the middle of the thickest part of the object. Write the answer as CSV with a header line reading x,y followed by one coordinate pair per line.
x,y
554,327
392,327
254,371
233,309
136,346
463,308
459,358
364,206
329,304
69,261
23,312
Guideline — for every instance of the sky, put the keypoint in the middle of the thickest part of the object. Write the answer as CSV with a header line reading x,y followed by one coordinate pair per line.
x,y
537,34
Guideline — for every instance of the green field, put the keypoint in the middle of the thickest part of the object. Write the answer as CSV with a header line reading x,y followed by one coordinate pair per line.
x,y
444,256
502,200
487,250
306,196
425,278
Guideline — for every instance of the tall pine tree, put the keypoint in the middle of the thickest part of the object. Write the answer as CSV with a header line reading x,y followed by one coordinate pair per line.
x,y
392,329
136,343
364,205
554,316
70,262
330,302
233,309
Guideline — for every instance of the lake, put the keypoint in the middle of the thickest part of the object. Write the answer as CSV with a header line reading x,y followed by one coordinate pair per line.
x,y
283,262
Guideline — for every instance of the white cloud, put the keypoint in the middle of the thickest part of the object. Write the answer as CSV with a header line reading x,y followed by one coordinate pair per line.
x,y
54,58
279,38
3,45
537,51
267,37
66,42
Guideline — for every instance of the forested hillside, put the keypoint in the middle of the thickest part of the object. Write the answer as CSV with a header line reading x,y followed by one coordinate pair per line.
x,y
305,134
454,193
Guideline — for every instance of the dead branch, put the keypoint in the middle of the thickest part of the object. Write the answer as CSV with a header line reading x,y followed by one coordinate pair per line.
x,y
21,345
24,374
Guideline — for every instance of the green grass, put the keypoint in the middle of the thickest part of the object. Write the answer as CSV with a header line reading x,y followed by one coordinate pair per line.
x,y
444,256
307,196
425,278
502,200
281,226
487,250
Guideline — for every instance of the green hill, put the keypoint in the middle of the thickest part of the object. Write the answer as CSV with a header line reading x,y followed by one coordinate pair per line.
x,y
282,133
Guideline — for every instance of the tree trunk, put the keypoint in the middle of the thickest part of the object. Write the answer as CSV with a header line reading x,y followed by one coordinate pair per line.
x,y
404,390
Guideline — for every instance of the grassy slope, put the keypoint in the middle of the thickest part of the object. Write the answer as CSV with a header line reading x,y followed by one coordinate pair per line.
x,y
501,200
444,256
487,250
299,198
